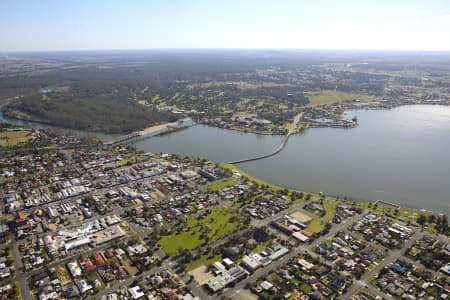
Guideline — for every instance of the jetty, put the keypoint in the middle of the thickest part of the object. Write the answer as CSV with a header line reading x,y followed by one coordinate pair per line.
x,y
387,204
278,149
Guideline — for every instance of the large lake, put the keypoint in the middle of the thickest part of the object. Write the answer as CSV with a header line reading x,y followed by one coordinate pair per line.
x,y
400,155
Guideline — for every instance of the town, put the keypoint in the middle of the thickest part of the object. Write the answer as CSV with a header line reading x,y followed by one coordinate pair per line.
x,y
84,219
225,150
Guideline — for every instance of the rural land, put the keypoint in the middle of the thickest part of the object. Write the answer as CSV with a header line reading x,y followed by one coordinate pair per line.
x,y
245,91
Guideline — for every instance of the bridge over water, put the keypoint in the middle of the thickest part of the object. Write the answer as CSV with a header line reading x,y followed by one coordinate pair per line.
x,y
278,149
152,131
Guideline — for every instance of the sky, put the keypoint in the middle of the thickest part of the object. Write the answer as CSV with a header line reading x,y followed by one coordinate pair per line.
x,y
41,25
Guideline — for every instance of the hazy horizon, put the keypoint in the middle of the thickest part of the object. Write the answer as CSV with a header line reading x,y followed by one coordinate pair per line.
x,y
305,50
48,25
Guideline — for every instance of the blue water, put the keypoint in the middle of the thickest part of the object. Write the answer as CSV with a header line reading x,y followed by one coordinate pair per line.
x,y
398,155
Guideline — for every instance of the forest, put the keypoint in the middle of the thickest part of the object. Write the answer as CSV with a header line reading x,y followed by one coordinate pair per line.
x,y
124,91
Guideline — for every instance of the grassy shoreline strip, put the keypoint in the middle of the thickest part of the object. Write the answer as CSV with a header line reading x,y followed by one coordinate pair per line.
x,y
404,214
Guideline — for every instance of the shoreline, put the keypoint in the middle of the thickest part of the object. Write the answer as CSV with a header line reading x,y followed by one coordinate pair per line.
x,y
403,203
303,126
155,128
366,203
379,203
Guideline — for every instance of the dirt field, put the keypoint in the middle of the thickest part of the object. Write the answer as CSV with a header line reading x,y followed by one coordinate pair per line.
x,y
301,217
244,295
201,276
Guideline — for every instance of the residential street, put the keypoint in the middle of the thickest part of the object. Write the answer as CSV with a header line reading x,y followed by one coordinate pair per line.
x,y
392,256
296,251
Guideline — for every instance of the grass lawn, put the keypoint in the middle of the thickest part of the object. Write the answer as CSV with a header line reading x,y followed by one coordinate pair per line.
x,y
124,162
12,138
251,178
215,226
174,97
62,89
373,282
306,288
62,274
365,291
315,226
235,204
204,260
221,185
404,214
326,97
330,210
262,246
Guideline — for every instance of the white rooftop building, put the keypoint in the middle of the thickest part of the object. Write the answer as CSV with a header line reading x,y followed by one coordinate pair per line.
x,y
136,292
74,269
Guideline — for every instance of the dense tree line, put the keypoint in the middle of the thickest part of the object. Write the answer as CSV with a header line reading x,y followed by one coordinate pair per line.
x,y
105,87
95,113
